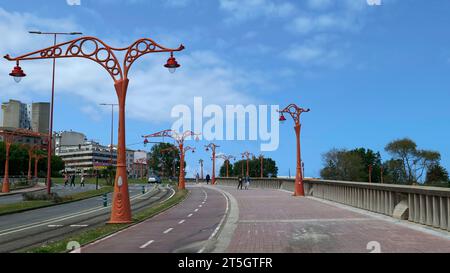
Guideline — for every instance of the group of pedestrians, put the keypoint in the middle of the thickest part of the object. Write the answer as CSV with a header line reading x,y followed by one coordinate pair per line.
x,y
71,178
242,180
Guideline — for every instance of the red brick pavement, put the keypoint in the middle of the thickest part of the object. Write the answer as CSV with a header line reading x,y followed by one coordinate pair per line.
x,y
275,221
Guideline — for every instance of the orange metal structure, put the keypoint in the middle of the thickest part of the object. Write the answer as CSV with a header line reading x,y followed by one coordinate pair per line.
x,y
294,111
227,159
9,137
179,139
98,51
247,155
213,148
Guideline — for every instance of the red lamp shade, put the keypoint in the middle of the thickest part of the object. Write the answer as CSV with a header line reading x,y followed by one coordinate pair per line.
x,y
17,73
282,118
145,141
172,63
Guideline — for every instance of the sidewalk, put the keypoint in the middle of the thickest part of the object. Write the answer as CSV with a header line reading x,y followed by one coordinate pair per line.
x,y
275,221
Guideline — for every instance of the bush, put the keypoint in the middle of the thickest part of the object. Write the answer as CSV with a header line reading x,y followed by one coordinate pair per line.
x,y
33,196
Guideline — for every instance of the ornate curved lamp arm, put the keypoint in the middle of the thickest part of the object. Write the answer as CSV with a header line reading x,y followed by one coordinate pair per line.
x,y
101,53
189,148
294,111
142,47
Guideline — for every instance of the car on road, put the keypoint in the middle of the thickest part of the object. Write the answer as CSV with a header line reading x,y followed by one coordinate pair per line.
x,y
154,179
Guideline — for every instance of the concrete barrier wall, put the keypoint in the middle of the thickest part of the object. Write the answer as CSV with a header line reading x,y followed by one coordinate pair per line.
x,y
423,205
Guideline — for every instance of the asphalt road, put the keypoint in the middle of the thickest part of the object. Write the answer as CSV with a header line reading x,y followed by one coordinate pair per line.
x,y
184,228
30,228
59,189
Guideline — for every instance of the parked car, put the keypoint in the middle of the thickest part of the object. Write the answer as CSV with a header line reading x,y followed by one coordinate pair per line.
x,y
154,179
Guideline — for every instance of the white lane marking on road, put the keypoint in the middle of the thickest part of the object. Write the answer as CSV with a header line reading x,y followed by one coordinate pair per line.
x,y
79,225
146,244
60,218
219,225
200,206
168,230
115,234
195,210
181,222
173,193
190,215
54,226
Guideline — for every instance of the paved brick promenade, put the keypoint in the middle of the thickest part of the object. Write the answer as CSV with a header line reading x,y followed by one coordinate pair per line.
x,y
274,221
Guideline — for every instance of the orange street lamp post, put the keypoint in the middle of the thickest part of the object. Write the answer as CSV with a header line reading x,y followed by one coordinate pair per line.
x,y
247,155
98,51
227,159
295,113
213,147
179,139
31,151
9,137
261,162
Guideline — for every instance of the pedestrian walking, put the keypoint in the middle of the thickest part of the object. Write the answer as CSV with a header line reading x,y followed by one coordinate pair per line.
x,y
207,178
82,181
66,179
247,182
240,180
197,177
72,180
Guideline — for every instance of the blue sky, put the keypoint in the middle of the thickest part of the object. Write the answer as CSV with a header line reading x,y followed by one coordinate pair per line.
x,y
370,74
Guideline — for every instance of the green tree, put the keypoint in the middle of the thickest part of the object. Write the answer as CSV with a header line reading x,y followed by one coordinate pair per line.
x,y
437,174
165,163
415,162
270,167
342,165
223,170
394,172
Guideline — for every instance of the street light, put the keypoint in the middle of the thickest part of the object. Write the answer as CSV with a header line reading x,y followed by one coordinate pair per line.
x,y
201,168
17,78
295,113
104,55
17,73
213,147
247,155
172,64
179,139
227,159
261,162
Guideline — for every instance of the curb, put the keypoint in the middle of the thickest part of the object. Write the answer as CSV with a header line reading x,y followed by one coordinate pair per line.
x,y
221,237
22,192
50,205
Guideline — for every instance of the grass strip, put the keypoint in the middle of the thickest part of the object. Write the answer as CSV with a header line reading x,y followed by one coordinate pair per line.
x,y
36,204
88,236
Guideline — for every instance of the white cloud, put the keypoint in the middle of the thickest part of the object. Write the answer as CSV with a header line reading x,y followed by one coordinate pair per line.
x,y
152,90
319,4
177,3
321,50
242,10
305,24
